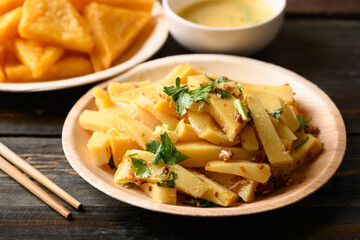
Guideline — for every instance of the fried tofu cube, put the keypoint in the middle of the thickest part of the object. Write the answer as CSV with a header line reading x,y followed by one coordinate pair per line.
x,y
259,172
69,67
17,72
99,148
160,194
56,22
8,5
102,99
124,172
114,29
248,139
38,57
97,121
120,143
207,128
217,193
9,23
224,111
66,68
140,5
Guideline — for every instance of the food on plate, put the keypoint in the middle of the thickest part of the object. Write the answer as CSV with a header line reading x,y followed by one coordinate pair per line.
x,y
197,139
38,36
227,13
113,29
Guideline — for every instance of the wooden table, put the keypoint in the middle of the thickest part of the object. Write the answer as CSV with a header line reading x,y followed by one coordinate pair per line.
x,y
322,45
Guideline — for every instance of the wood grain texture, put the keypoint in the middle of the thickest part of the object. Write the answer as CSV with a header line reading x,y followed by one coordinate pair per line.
x,y
130,223
324,7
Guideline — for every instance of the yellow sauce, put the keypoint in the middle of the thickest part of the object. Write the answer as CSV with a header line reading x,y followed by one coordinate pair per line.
x,y
227,13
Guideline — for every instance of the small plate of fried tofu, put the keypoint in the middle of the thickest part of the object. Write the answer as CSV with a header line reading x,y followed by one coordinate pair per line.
x,y
49,45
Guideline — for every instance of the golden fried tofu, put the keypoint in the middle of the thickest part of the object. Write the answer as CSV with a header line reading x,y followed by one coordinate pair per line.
x,y
9,23
140,5
17,72
37,56
55,22
114,29
8,5
68,67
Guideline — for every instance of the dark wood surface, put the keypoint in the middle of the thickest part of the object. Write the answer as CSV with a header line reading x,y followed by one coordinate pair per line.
x,y
325,50
344,8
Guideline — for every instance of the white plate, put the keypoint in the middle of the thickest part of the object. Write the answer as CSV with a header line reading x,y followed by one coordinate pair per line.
x,y
144,47
312,100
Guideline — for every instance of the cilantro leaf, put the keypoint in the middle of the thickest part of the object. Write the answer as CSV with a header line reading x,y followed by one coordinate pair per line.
x,y
185,98
222,93
168,180
169,152
139,166
277,113
184,102
179,95
219,80
201,93
154,147
177,90
165,151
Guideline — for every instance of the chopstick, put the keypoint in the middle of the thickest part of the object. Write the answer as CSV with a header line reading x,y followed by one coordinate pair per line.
x,y
38,176
32,187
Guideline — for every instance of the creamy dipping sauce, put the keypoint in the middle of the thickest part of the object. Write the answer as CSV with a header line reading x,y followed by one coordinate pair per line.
x,y
227,13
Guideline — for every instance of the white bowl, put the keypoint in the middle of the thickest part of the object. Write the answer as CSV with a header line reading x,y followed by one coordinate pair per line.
x,y
240,40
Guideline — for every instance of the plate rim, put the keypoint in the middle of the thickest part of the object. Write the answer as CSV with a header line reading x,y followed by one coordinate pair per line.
x,y
337,155
162,30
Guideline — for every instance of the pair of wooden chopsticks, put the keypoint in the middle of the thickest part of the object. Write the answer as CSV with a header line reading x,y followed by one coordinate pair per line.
x,y
39,177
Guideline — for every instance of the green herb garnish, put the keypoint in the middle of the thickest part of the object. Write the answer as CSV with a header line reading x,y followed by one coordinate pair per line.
x,y
277,113
185,98
167,179
165,126
139,166
241,109
302,142
219,80
165,151
199,202
223,93
129,184
303,123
